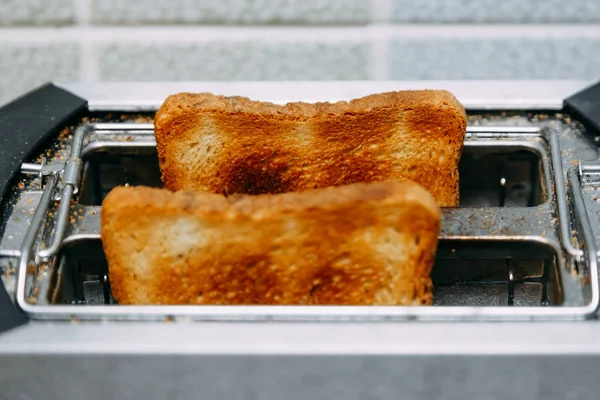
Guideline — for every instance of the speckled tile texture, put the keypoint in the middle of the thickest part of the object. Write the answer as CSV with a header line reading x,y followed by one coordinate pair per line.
x,y
24,66
508,58
230,11
234,61
505,11
158,40
36,12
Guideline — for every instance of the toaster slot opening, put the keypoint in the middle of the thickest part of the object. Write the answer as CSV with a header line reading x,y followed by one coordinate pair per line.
x,y
490,176
466,273
102,171
501,176
495,273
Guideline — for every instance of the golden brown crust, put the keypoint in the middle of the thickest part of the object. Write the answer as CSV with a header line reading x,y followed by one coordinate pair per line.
x,y
236,145
356,244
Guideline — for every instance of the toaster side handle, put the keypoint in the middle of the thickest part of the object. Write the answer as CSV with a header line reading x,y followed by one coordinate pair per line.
x,y
25,124
585,106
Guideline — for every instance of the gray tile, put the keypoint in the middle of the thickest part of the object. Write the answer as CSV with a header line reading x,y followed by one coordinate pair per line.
x,y
230,11
507,11
494,58
234,61
36,12
24,66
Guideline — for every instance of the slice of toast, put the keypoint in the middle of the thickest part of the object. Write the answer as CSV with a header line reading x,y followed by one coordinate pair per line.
x,y
235,145
360,244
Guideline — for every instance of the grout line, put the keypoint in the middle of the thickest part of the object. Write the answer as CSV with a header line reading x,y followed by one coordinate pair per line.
x,y
381,11
90,68
186,34
82,12
378,62
88,63
293,34
381,15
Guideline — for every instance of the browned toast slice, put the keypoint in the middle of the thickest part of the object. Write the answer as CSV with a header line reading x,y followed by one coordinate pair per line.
x,y
360,244
235,145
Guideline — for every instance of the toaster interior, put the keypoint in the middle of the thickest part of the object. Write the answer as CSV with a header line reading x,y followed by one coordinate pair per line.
x,y
500,254
465,273
506,176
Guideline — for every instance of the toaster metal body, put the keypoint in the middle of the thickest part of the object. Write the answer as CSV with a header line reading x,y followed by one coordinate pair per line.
x,y
516,286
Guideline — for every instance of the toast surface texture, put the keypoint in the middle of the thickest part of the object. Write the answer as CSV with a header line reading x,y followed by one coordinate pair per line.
x,y
360,244
235,145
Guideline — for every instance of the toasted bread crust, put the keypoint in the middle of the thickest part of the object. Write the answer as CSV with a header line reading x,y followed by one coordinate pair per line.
x,y
236,145
360,244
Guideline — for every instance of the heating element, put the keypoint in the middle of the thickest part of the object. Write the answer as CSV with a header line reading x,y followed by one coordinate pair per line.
x,y
519,246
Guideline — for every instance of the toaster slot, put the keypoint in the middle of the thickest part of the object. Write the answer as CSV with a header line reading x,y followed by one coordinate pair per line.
x,y
513,250
465,273
102,171
501,176
492,173
496,273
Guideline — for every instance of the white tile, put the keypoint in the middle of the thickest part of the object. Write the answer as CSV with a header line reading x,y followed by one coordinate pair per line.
x,y
24,66
36,12
511,11
515,57
221,60
230,11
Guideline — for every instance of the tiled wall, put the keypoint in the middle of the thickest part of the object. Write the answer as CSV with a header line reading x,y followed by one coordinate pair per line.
x,y
146,40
